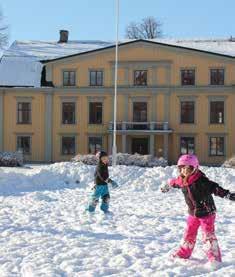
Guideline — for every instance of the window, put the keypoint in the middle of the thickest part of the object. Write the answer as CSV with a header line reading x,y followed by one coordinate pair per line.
x,y
24,144
216,146
217,76
187,112
69,78
68,145
95,144
187,145
140,77
140,112
95,113
23,113
68,113
188,77
217,112
96,78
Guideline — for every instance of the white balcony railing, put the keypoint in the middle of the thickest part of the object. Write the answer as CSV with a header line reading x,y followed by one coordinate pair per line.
x,y
140,126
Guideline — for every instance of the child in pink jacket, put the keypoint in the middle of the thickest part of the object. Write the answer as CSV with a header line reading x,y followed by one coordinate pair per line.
x,y
198,190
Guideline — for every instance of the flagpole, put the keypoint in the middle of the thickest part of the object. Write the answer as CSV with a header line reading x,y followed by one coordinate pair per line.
x,y
114,150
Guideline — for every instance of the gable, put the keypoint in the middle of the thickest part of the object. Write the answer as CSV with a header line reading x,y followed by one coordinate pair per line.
x,y
174,47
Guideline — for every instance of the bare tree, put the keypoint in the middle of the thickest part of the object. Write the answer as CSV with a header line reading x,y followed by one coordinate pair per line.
x,y
3,31
148,28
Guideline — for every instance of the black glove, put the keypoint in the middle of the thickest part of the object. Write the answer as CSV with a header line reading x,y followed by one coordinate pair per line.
x,y
231,196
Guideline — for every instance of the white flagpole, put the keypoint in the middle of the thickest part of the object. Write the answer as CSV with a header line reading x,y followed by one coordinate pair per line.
x,y
114,150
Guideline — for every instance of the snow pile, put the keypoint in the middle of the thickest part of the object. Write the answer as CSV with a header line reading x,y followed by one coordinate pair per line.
x,y
52,177
229,163
11,159
124,159
45,232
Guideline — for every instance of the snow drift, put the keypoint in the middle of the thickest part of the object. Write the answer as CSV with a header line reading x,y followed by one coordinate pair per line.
x,y
124,159
45,232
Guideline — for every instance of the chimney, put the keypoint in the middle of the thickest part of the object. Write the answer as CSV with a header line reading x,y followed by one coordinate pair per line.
x,y
64,36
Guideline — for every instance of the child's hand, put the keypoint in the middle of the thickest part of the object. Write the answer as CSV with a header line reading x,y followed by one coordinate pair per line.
x,y
231,196
114,184
165,188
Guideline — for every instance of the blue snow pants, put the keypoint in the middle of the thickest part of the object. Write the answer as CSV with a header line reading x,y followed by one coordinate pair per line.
x,y
99,191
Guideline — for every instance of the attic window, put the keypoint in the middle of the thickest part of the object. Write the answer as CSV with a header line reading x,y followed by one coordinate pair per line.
x,y
140,77
69,78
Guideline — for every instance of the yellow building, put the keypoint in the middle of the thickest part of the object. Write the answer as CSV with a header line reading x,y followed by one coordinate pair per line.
x,y
174,97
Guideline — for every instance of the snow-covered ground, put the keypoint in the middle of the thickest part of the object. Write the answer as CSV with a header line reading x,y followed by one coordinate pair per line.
x,y
45,232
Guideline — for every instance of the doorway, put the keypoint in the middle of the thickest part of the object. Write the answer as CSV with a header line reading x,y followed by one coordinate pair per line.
x,y
140,146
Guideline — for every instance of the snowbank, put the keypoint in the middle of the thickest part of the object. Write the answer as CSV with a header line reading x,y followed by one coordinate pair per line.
x,y
230,163
124,159
45,232
11,159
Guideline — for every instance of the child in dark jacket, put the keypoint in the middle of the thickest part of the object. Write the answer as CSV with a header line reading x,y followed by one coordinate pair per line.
x,y
198,190
101,184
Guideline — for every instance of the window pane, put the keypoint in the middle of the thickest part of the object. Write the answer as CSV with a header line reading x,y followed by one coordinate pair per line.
x,y
220,146
217,112
92,78
187,112
187,77
95,113
217,76
68,113
66,78
96,78
72,78
187,145
95,144
213,146
217,146
24,113
23,144
69,78
68,145
140,112
140,78
99,78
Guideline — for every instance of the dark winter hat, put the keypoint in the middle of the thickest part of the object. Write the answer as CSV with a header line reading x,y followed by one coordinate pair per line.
x,y
101,154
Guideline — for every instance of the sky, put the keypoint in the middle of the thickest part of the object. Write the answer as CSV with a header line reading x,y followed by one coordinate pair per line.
x,y
95,19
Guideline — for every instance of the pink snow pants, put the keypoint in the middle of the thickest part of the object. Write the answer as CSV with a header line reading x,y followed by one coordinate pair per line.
x,y
209,239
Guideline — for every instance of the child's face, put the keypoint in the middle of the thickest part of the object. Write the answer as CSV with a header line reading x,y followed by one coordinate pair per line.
x,y
105,159
186,170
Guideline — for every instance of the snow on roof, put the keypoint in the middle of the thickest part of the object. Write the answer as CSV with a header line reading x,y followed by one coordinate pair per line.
x,y
217,46
43,50
20,71
20,64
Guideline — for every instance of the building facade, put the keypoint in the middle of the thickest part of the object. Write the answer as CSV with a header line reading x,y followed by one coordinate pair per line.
x,y
171,100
